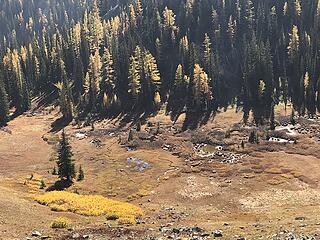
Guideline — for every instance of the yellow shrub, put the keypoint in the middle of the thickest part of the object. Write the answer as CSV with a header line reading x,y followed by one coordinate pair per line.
x,y
89,205
60,223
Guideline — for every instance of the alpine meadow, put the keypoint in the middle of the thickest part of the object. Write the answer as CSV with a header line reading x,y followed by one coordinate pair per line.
x,y
160,119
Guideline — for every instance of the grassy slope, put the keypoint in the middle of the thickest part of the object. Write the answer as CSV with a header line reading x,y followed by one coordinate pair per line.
x,y
270,188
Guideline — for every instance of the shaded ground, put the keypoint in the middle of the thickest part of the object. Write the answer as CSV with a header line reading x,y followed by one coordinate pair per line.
x,y
273,189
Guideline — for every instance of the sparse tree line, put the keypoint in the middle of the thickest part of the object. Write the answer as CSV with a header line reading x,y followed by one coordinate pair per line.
x,y
193,56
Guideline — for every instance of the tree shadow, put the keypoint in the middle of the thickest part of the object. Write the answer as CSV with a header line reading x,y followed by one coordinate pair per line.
x,y
133,118
195,119
59,124
59,185
37,104
14,114
43,101
192,120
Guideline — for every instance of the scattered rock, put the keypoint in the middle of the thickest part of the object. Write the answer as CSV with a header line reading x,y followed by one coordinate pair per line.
x,y
131,149
165,229
280,140
6,130
207,151
300,218
45,237
80,136
35,233
197,229
75,236
217,233
205,234
138,164
96,142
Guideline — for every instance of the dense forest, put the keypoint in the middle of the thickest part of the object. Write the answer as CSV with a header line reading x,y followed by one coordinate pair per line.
x,y
109,57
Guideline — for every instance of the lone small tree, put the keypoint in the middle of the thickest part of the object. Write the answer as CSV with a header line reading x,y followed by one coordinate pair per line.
x,y
242,144
81,174
54,171
130,135
138,126
66,170
42,184
292,120
254,138
272,120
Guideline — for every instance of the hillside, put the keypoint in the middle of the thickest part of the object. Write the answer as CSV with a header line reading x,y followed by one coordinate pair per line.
x,y
105,58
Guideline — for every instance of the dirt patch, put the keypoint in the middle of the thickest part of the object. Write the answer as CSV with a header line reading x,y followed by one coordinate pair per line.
x,y
278,198
197,187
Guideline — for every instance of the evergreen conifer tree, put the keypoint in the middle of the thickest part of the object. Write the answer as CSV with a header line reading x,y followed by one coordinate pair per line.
x,y
4,105
66,169
80,174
